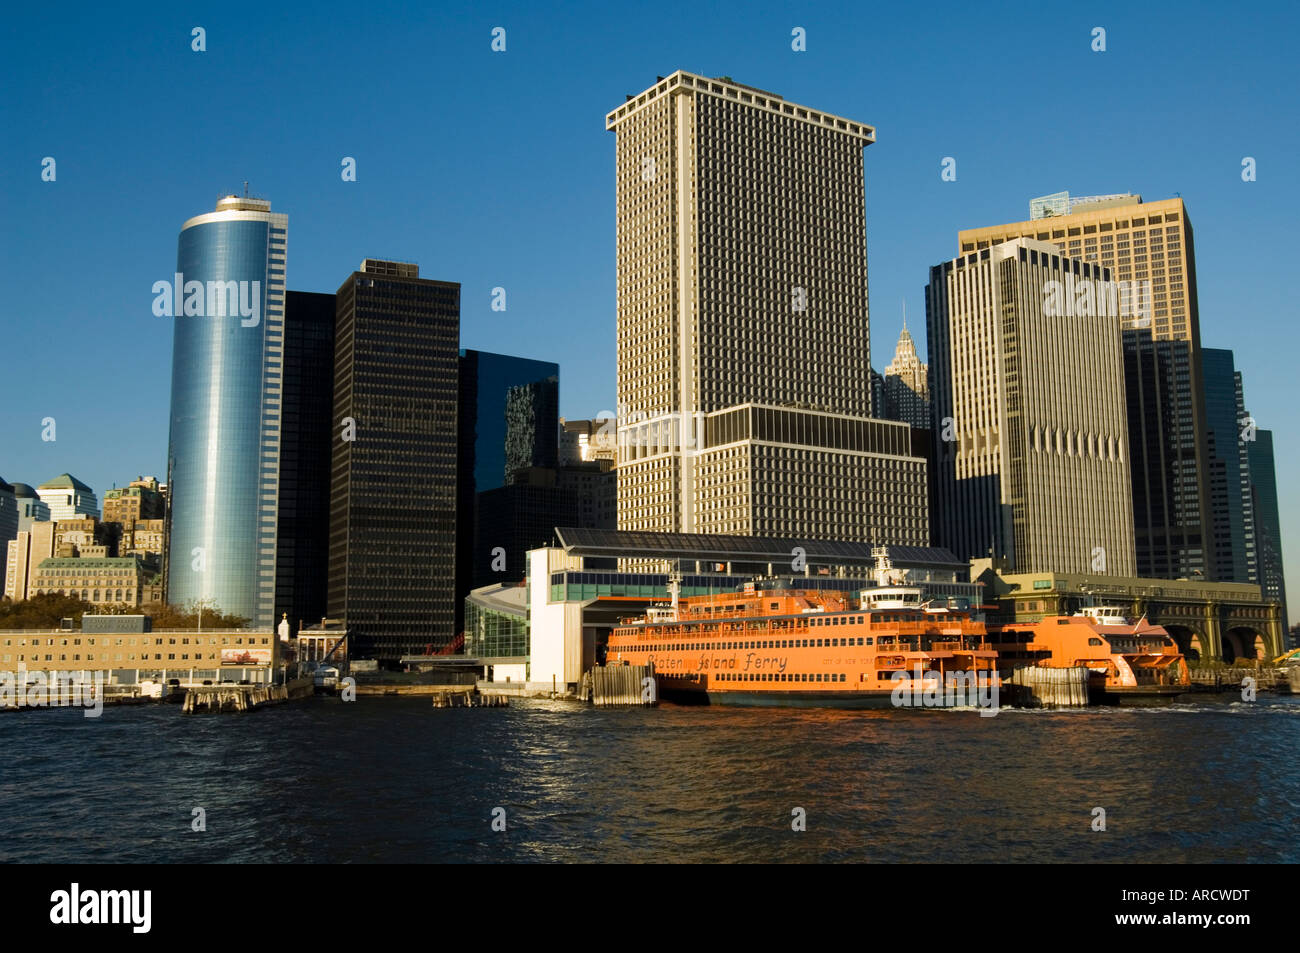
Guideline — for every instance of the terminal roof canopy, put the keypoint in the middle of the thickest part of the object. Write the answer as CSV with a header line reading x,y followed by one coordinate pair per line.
x,y
632,544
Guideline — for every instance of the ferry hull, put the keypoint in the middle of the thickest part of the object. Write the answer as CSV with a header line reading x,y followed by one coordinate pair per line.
x,y
1136,696
844,700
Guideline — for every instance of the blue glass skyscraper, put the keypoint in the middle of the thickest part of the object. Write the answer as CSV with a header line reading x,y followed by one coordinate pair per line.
x,y
227,305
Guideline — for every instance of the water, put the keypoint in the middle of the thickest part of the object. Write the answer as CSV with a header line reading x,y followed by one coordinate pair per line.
x,y
396,780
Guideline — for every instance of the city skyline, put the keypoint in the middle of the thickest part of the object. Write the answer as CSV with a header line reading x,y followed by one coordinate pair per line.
x,y
901,176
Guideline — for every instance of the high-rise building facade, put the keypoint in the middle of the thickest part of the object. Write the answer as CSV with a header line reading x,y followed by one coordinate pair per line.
x,y
509,415
1149,250
306,447
1027,383
392,548
68,498
1172,519
24,554
906,389
140,500
742,311
1232,522
227,366
1138,242
31,508
1268,522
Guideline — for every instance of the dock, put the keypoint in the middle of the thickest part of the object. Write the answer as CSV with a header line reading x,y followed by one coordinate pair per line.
x,y
1267,679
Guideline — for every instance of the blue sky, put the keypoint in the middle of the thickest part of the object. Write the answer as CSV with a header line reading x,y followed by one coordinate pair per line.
x,y
494,169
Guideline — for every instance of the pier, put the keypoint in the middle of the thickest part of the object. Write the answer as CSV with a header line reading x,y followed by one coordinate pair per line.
x,y
213,698
469,699
1284,679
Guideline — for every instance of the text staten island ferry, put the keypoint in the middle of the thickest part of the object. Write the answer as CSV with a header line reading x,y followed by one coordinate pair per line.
x,y
777,646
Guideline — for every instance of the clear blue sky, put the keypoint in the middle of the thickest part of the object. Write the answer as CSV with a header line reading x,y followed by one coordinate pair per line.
x,y
494,169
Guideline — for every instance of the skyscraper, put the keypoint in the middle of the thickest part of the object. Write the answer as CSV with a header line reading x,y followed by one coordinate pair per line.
x,y
1148,248
1027,381
392,549
1138,242
68,498
1171,513
744,377
306,445
906,388
224,455
509,414
1268,525
1233,524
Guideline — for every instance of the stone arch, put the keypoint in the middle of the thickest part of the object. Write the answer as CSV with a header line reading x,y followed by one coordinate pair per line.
x,y
1188,640
1243,642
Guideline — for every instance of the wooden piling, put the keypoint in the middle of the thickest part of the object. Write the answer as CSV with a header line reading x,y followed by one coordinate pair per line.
x,y
621,685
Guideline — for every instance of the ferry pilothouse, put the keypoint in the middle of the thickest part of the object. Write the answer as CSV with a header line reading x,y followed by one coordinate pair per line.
x,y
773,644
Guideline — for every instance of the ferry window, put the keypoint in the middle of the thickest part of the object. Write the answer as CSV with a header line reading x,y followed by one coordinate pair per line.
x,y
819,676
1094,641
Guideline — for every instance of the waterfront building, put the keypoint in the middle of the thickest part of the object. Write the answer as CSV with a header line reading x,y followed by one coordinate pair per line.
x,y
67,498
392,548
1136,241
226,396
126,656
906,388
744,377
1032,450
121,581
1210,620
141,500
306,447
1268,524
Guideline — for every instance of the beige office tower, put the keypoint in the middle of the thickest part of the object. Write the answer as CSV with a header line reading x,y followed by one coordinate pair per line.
x,y
744,377
1140,242
1027,379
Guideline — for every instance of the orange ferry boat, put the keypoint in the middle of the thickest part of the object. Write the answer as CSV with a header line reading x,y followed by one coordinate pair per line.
x,y
771,645
1129,662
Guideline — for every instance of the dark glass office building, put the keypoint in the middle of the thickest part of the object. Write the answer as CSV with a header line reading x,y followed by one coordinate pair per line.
x,y
306,443
1268,521
1230,503
1168,454
392,543
509,423
226,305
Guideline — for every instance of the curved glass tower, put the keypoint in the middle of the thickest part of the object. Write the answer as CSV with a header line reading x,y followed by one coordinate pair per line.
x,y
223,461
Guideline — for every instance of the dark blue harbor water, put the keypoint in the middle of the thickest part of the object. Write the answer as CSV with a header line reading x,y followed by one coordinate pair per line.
x,y
395,780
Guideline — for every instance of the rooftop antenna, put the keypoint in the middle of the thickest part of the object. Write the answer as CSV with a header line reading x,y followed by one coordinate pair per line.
x,y
904,314
245,188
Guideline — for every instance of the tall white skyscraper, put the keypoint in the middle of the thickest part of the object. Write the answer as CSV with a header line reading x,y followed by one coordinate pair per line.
x,y
744,377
